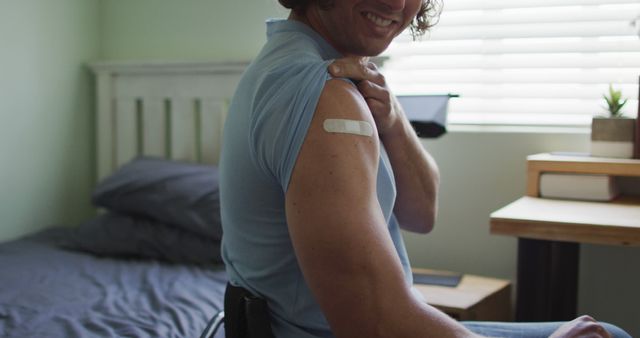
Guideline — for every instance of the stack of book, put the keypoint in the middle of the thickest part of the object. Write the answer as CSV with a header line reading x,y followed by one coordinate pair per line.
x,y
584,187
580,176
574,186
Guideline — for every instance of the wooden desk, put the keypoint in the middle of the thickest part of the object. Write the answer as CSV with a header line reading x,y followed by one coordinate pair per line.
x,y
550,232
614,223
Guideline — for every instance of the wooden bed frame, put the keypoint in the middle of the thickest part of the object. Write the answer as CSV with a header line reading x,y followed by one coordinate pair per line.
x,y
173,110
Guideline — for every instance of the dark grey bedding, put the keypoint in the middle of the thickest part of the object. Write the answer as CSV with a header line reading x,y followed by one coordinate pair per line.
x,y
47,291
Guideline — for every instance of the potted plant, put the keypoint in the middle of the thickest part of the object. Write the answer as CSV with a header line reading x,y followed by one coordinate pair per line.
x,y
613,135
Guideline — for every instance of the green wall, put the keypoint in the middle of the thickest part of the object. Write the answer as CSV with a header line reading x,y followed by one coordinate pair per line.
x,y
46,109
47,93
186,29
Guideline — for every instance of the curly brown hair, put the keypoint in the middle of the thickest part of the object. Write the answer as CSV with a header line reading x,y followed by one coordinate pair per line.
x,y
426,18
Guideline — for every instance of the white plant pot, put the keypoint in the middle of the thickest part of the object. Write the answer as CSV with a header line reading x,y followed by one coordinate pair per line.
x,y
612,137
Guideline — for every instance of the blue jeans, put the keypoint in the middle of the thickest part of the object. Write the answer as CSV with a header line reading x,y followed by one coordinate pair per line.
x,y
528,330
513,330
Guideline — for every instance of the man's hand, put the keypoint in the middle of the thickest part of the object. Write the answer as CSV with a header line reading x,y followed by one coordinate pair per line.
x,y
583,327
384,107
415,171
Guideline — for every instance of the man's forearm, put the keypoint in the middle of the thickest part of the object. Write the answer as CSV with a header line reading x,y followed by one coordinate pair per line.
x,y
416,175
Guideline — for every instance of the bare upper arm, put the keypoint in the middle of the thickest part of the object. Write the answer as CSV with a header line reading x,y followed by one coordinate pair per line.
x,y
335,221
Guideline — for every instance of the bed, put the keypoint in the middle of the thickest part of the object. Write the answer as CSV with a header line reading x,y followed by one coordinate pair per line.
x,y
148,265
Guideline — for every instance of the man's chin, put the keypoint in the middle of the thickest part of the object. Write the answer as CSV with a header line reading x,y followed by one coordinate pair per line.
x,y
370,51
375,50
364,49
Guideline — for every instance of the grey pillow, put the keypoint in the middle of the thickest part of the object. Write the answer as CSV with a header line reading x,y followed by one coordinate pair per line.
x,y
184,195
126,236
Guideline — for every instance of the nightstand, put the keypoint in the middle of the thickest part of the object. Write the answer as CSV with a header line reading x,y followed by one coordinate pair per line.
x,y
474,298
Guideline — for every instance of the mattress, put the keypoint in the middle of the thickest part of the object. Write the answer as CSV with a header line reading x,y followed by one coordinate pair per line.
x,y
50,291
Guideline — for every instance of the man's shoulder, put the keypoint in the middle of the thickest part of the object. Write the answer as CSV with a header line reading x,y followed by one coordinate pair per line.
x,y
287,79
341,99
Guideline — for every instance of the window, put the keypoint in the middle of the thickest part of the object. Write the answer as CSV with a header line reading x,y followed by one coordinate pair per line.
x,y
523,62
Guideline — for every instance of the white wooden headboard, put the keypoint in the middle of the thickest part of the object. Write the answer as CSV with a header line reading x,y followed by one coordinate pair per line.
x,y
173,110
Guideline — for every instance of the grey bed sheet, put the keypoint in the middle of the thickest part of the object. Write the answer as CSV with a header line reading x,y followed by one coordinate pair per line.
x,y
46,291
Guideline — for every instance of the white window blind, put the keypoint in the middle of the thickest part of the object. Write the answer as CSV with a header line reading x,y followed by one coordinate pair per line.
x,y
523,62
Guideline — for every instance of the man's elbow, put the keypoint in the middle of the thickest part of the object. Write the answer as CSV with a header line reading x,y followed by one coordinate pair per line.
x,y
423,223
425,228
427,225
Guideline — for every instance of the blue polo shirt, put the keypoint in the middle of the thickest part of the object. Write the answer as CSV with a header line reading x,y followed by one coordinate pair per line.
x,y
267,123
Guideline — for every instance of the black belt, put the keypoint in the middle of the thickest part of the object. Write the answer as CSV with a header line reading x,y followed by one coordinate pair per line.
x,y
245,315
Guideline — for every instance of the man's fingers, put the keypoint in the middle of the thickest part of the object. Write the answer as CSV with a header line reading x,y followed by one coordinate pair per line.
x,y
355,68
352,70
377,108
373,90
592,326
586,318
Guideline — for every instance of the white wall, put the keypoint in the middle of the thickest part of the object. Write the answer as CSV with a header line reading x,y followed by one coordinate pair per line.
x,y
483,171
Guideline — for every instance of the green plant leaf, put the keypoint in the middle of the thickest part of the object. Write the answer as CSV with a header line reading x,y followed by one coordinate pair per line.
x,y
614,101
623,103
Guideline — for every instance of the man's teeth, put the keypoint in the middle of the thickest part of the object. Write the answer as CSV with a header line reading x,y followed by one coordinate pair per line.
x,y
378,20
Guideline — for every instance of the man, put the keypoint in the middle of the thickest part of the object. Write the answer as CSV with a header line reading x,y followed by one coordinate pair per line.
x,y
318,174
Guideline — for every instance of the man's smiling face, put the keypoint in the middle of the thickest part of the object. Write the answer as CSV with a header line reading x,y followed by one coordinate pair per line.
x,y
362,27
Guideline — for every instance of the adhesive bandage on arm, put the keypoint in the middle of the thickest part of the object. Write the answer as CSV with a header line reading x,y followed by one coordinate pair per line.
x,y
343,126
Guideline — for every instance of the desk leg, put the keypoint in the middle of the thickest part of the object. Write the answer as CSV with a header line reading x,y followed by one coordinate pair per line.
x,y
547,285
